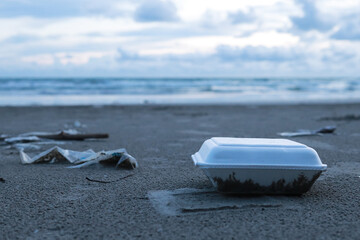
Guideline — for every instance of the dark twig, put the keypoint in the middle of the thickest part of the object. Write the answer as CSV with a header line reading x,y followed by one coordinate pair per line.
x,y
100,181
66,136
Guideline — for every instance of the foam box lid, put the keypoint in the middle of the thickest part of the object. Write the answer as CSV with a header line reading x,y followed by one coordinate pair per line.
x,y
222,152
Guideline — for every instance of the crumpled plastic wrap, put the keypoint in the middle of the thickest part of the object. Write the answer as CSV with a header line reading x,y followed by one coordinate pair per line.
x,y
119,158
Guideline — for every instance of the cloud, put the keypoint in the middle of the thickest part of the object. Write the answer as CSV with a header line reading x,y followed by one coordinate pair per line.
x,y
42,59
21,38
40,8
227,61
178,37
59,8
124,55
310,19
224,54
334,55
156,11
65,58
241,17
349,30
271,54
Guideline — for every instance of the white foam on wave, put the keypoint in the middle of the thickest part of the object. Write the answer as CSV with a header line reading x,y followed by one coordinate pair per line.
x,y
198,98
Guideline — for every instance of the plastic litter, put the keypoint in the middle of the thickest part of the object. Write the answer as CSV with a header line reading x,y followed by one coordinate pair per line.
x,y
258,165
22,139
3,136
119,158
25,146
32,146
60,135
34,140
303,132
75,124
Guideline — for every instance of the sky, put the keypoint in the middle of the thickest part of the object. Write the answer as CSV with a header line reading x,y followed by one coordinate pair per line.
x,y
179,38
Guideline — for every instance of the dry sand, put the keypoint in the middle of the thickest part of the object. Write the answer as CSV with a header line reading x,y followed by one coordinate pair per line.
x,y
168,198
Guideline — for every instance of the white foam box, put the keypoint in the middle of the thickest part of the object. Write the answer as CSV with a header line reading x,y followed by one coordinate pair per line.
x,y
259,165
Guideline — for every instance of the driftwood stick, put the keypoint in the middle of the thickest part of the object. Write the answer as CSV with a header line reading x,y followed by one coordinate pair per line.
x,y
80,137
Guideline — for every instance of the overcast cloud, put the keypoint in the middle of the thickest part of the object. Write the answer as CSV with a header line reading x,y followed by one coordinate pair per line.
x,y
177,38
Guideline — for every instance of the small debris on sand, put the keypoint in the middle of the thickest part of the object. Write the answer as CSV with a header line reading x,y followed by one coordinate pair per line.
x,y
34,140
348,117
60,135
75,124
66,135
304,132
101,181
22,139
3,136
118,158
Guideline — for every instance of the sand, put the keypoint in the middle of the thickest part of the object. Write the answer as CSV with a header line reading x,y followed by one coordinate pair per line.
x,y
168,198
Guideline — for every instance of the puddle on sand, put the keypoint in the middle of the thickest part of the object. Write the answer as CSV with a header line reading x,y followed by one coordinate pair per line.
x,y
188,200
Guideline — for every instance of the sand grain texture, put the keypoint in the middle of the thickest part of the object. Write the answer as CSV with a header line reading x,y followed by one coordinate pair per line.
x,y
50,201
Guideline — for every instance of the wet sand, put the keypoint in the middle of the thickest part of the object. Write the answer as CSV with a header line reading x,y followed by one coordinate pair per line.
x,y
168,198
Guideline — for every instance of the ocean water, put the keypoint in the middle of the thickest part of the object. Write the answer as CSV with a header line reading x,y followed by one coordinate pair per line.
x,y
112,91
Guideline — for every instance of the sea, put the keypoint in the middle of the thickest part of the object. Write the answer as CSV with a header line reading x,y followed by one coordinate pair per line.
x,y
128,91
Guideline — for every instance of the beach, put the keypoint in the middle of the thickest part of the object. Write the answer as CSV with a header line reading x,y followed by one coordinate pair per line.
x,y
168,197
